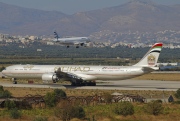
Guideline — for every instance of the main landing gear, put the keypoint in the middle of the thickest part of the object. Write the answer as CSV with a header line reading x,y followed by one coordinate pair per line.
x,y
80,83
14,80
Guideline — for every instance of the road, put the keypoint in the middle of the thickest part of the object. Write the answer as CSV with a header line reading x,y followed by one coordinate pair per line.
x,y
111,85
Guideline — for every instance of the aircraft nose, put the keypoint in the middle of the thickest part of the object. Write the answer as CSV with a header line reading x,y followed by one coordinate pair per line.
x,y
3,71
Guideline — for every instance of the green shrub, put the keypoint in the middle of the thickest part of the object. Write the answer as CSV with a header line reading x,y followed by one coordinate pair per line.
x,y
176,102
59,93
177,94
4,93
1,88
78,112
107,97
67,112
41,119
124,108
24,104
9,104
159,101
153,107
50,99
15,113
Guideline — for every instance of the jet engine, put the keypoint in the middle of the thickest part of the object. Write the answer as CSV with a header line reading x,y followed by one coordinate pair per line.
x,y
48,77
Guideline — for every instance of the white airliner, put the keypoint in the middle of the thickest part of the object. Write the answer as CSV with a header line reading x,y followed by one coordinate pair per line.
x,y
74,41
86,75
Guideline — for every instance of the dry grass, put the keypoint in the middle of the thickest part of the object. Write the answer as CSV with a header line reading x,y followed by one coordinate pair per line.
x,y
101,112
172,113
160,76
21,92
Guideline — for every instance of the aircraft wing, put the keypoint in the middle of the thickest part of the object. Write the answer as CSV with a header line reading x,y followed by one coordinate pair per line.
x,y
78,76
76,43
86,77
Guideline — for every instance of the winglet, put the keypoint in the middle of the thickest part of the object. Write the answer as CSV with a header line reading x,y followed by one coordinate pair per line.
x,y
151,57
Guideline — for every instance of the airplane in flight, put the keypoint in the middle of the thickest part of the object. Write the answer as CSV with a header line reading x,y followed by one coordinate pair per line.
x,y
74,41
86,75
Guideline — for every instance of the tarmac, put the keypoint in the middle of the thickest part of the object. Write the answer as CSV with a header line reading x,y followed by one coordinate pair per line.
x,y
110,85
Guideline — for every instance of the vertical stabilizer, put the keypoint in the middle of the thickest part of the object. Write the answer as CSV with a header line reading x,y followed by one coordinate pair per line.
x,y
56,35
151,57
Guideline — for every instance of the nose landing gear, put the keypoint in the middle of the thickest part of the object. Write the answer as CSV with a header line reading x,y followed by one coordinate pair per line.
x,y
14,80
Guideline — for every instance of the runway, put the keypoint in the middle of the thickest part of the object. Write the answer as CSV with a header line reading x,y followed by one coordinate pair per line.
x,y
111,85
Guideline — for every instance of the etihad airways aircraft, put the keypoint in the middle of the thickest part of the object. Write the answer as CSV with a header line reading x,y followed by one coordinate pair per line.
x,y
86,75
75,41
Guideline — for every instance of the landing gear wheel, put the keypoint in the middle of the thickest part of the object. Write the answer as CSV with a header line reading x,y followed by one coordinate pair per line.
x,y
81,83
93,83
73,84
14,80
89,83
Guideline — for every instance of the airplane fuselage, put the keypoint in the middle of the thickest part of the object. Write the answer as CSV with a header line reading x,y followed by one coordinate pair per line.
x,y
72,40
91,72
86,75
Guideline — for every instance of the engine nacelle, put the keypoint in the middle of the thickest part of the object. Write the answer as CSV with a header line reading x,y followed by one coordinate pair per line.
x,y
49,77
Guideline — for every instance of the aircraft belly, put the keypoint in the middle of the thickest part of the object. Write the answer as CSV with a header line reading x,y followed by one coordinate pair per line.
x,y
24,76
114,77
117,76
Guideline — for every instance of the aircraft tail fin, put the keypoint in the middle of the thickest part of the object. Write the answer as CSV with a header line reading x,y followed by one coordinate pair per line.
x,y
151,57
56,35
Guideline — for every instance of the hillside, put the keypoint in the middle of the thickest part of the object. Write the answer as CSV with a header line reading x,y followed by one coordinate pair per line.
x,y
136,15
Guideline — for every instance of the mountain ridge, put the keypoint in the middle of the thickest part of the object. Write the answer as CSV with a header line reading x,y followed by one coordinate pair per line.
x,y
135,15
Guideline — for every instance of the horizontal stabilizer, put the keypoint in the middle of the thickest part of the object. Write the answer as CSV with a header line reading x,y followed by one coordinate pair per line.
x,y
149,69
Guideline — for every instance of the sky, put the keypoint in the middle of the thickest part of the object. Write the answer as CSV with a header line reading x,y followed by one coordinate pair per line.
x,y
74,6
